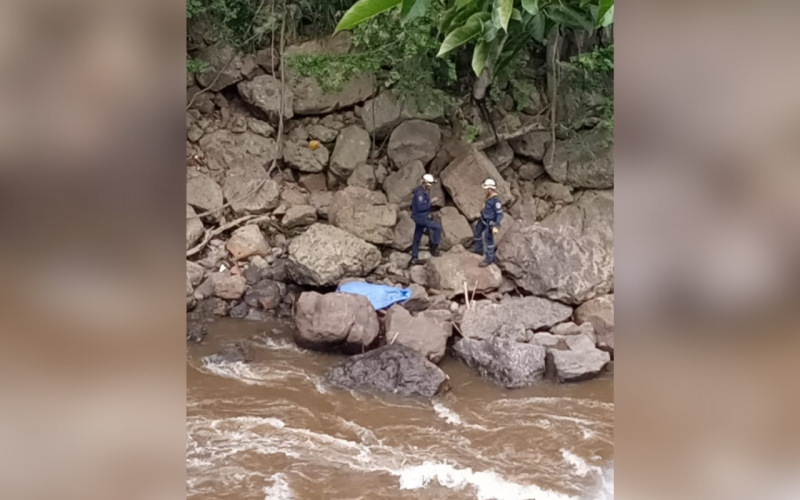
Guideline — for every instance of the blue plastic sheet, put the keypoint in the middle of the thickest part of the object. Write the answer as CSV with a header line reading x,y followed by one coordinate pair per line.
x,y
380,296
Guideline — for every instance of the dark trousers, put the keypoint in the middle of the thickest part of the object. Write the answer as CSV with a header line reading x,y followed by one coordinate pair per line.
x,y
433,227
484,240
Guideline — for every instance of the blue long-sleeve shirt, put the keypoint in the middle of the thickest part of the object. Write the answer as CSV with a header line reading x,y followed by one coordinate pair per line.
x,y
492,212
420,204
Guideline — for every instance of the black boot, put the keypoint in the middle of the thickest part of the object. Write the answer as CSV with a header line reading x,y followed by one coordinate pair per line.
x,y
485,264
435,251
416,262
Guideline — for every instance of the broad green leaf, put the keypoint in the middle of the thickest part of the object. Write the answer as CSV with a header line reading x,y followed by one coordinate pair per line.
x,y
461,18
537,28
459,36
531,6
479,56
447,19
501,13
363,10
607,19
570,18
605,6
489,31
462,3
516,15
412,9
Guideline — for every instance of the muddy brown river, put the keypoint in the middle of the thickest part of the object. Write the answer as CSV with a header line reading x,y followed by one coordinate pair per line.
x,y
274,430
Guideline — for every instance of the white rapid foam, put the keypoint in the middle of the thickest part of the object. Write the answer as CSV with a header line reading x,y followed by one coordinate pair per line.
x,y
279,490
453,418
486,484
578,464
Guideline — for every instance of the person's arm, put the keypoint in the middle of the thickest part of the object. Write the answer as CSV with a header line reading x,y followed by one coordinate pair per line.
x,y
498,212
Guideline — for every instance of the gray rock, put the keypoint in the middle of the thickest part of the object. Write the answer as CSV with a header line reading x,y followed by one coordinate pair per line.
x,y
533,145
241,182
584,161
223,61
237,352
599,313
194,228
501,155
579,343
555,192
196,272
449,272
463,179
390,111
300,215
394,369
259,127
363,176
572,330
424,335
227,286
508,363
304,159
264,92
545,339
399,259
364,214
530,171
266,294
239,311
419,300
322,133
352,148
527,313
455,228
246,242
321,201
444,317
335,320
226,151
419,275
210,308
195,331
569,256
414,140
293,197
203,193
572,366
400,185
324,254
314,182
310,99
269,59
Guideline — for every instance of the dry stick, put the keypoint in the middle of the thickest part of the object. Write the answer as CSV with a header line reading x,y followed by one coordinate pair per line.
x,y
474,289
394,338
221,229
466,293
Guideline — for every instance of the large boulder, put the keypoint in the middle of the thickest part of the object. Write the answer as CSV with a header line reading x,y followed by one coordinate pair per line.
x,y
400,185
449,272
335,320
223,69
576,366
226,150
599,313
249,191
364,177
394,369
203,193
352,148
533,145
266,294
403,235
463,179
194,227
414,140
455,228
388,110
246,242
569,256
304,159
507,362
364,214
486,318
324,254
311,99
228,286
264,92
584,161
321,200
424,335
501,155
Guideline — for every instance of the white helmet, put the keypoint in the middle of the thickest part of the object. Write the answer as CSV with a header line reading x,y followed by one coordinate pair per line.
x,y
489,184
428,178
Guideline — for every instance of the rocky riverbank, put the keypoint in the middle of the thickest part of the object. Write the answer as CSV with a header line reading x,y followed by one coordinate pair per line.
x,y
262,243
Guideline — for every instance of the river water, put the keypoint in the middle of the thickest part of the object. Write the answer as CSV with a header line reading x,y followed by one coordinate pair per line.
x,y
273,430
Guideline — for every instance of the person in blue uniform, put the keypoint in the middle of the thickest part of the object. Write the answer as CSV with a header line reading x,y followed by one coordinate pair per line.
x,y
421,213
489,223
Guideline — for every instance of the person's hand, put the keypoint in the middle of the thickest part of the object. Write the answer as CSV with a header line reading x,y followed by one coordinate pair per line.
x,y
495,230
436,200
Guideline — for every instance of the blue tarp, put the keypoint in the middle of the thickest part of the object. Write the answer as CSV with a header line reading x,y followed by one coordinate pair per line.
x,y
380,296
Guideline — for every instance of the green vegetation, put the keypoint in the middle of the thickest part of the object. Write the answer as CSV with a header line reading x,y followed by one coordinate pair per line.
x,y
593,73
194,66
